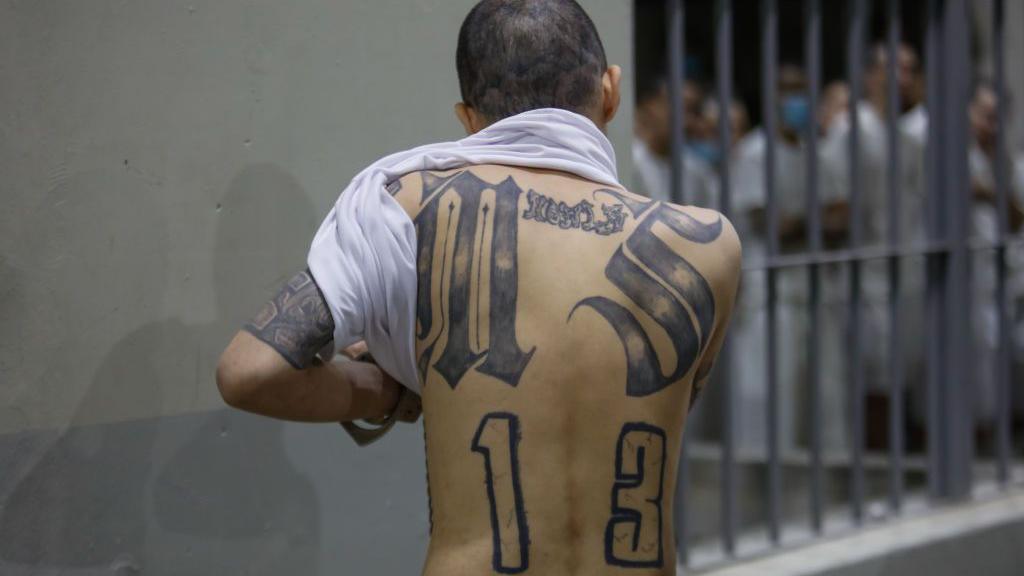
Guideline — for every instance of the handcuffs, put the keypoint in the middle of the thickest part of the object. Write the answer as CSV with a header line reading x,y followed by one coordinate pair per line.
x,y
407,409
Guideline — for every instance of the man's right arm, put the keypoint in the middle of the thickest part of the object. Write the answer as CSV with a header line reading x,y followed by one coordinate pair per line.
x,y
270,366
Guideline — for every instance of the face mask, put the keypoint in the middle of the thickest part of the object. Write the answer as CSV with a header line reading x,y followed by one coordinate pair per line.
x,y
796,113
705,150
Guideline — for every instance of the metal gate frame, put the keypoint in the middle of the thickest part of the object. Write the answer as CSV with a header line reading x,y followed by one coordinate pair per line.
x,y
947,254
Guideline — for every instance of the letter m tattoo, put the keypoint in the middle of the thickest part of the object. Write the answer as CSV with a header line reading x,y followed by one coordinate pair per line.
x,y
665,287
470,219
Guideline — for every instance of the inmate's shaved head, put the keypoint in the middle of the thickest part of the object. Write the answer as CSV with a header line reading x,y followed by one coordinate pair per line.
x,y
519,55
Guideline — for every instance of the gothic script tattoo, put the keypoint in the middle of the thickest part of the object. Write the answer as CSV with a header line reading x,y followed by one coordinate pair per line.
x,y
581,216
666,287
296,322
475,214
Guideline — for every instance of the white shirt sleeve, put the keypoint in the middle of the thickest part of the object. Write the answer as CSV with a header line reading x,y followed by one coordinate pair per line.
x,y
363,259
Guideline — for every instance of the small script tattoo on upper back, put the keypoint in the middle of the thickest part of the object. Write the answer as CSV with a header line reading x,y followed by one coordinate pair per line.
x,y
557,213
296,322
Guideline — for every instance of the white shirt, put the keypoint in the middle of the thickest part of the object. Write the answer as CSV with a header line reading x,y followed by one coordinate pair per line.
x,y
984,227
790,198
984,215
874,159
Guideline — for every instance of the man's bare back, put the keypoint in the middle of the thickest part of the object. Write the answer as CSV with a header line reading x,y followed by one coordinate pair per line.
x,y
563,330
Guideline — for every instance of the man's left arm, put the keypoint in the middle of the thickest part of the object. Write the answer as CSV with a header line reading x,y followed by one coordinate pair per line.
x,y
271,367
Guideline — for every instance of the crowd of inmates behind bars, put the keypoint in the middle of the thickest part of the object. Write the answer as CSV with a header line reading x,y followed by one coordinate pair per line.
x,y
743,157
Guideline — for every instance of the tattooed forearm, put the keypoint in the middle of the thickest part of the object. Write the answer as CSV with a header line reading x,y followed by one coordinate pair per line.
x,y
296,322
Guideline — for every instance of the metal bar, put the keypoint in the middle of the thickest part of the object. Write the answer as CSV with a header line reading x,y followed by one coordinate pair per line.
x,y
893,41
843,256
958,400
769,87
895,367
814,398
954,398
982,245
774,472
769,33
676,62
812,55
855,70
769,73
724,69
931,248
1001,163
675,17
1004,399
936,262
723,54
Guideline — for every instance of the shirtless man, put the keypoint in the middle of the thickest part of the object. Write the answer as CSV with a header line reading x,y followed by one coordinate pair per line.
x,y
562,329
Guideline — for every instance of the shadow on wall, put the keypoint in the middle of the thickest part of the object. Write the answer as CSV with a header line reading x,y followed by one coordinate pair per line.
x,y
191,494
11,344
230,487
73,497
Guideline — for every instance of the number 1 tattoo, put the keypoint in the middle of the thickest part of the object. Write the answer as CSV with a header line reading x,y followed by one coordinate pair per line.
x,y
497,439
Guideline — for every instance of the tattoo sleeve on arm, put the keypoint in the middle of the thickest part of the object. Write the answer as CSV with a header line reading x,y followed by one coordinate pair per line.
x,y
296,322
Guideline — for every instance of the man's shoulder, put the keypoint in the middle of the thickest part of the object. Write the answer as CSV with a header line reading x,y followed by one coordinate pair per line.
x,y
725,233
709,236
417,179
412,188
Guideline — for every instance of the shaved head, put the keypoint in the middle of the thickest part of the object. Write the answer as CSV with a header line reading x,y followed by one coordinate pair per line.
x,y
519,55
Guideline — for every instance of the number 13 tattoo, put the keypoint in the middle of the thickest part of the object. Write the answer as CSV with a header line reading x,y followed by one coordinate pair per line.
x,y
633,535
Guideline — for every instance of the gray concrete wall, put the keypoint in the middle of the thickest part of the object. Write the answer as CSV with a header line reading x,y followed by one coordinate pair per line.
x,y
163,166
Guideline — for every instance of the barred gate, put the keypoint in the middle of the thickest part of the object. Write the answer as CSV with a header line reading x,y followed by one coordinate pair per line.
x,y
947,254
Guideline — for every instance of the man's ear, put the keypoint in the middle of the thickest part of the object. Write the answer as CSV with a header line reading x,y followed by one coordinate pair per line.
x,y
610,94
469,118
